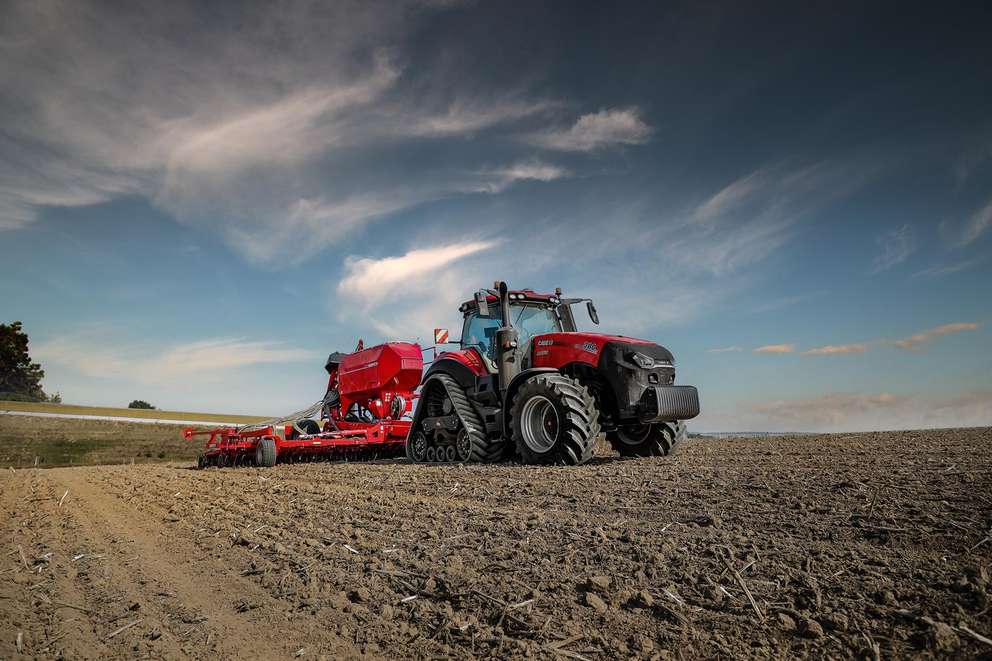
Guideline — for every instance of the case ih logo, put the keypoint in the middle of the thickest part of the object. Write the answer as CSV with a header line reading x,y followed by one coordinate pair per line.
x,y
545,343
440,335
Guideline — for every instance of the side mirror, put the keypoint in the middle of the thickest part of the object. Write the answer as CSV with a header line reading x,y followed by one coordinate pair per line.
x,y
480,300
591,309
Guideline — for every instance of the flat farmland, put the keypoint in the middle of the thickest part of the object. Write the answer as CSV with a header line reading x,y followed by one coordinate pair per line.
x,y
151,414
56,441
844,546
70,442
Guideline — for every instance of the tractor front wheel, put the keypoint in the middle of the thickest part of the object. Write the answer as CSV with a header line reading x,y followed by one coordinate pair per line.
x,y
639,440
554,420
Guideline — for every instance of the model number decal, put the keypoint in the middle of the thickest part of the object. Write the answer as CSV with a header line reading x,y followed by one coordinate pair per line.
x,y
587,346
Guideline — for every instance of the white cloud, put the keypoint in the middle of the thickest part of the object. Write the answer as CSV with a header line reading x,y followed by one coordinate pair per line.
x,y
776,348
222,355
896,247
832,349
407,295
606,128
916,342
844,411
534,170
374,280
92,356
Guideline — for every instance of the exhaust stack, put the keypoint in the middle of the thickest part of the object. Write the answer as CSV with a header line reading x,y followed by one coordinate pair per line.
x,y
507,340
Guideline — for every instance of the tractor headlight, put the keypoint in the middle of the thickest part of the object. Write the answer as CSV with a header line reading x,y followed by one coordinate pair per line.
x,y
644,362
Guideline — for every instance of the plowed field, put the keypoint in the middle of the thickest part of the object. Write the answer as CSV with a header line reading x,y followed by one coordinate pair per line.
x,y
867,546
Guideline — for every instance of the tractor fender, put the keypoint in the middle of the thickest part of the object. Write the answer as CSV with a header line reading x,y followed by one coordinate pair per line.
x,y
448,366
453,368
511,391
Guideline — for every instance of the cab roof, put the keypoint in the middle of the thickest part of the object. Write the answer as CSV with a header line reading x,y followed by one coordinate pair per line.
x,y
522,295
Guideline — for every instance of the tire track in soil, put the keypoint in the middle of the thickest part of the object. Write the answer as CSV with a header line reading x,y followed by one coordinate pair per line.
x,y
50,591
182,594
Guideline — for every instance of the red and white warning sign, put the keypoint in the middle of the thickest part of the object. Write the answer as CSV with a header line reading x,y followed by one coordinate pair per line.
x,y
440,335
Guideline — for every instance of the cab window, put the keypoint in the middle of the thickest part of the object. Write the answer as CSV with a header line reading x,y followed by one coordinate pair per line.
x,y
480,332
531,320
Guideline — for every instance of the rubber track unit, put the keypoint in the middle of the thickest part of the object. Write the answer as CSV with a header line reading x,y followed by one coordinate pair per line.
x,y
580,427
664,439
483,450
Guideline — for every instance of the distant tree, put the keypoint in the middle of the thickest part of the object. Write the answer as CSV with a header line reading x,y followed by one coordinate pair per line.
x,y
19,377
55,398
140,404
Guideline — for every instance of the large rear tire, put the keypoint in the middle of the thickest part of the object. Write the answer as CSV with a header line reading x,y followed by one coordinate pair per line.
x,y
554,420
266,452
657,440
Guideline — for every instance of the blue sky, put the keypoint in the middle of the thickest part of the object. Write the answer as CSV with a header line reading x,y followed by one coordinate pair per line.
x,y
198,204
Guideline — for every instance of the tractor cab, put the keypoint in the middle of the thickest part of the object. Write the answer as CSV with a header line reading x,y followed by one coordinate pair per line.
x,y
531,313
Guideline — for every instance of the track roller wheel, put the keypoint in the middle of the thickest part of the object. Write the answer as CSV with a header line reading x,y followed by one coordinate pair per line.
x,y
416,447
652,440
463,446
266,452
554,420
450,453
431,454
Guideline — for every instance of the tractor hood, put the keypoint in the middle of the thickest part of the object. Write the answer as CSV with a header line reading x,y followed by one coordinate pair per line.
x,y
557,349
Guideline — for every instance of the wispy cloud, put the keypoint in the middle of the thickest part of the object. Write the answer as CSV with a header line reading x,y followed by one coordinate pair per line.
x,y
735,195
832,349
913,342
843,411
256,143
606,128
977,225
92,356
896,246
751,217
916,342
532,170
465,117
938,271
776,348
724,350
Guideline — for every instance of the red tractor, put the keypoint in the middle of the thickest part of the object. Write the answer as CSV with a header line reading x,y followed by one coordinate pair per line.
x,y
526,383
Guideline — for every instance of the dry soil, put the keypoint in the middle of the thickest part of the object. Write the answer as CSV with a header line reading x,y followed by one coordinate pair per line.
x,y
864,545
